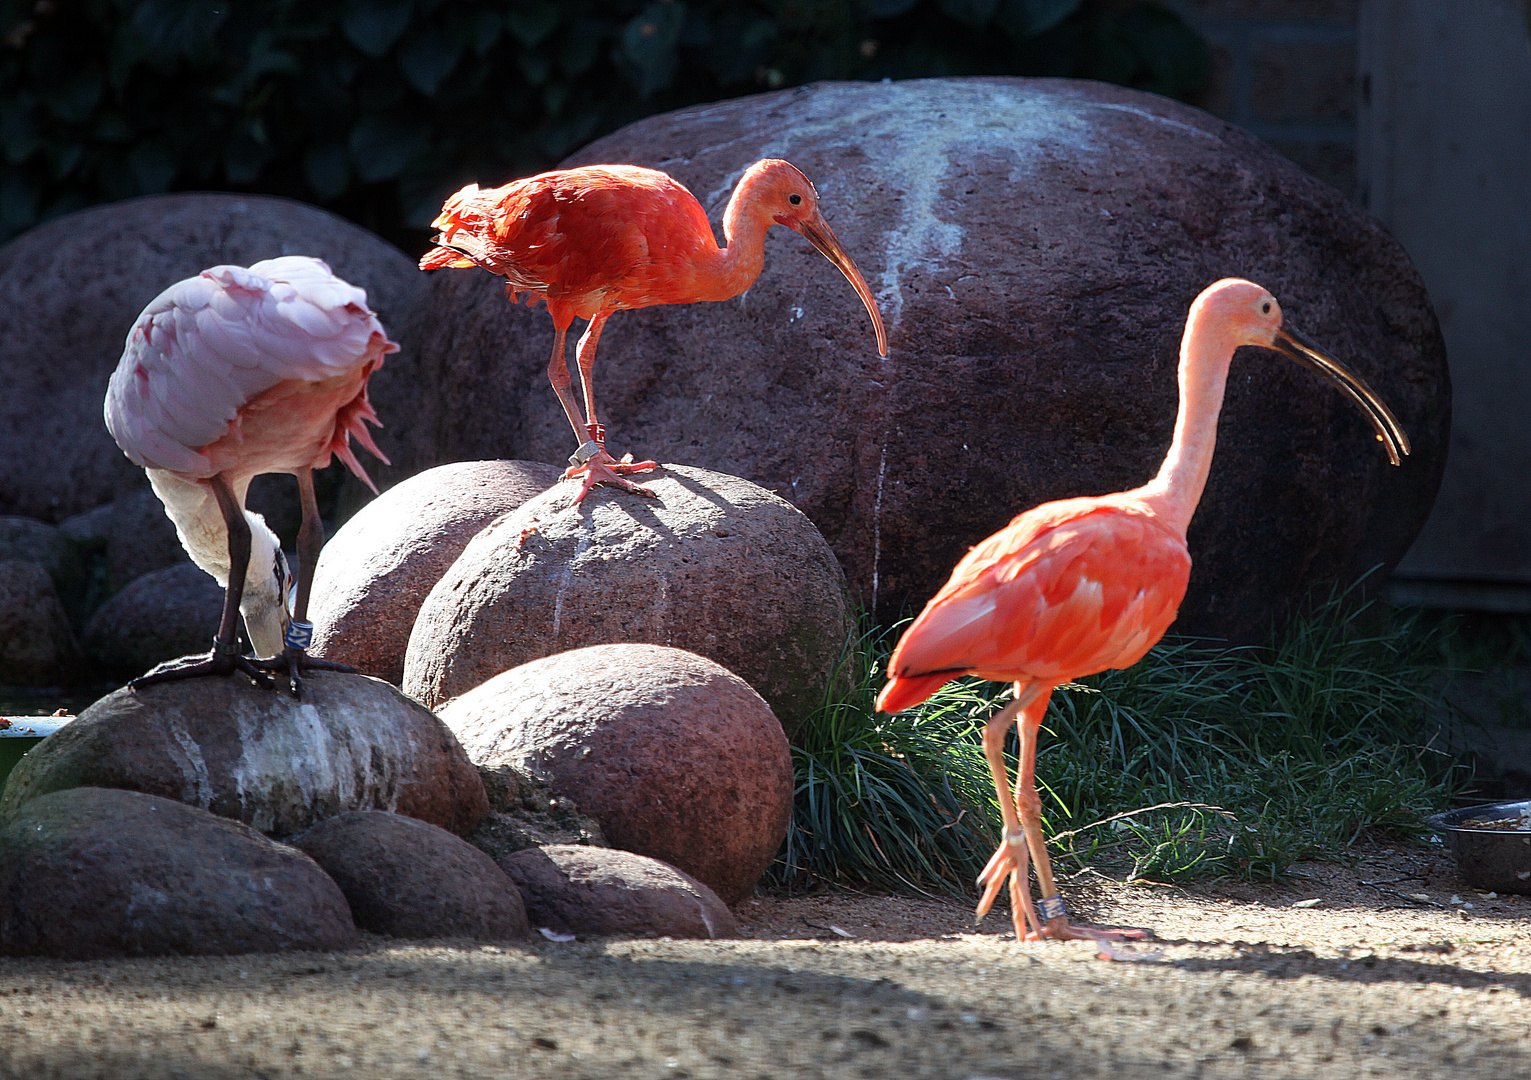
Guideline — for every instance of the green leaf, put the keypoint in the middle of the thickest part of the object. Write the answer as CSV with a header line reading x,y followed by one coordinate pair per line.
x,y
429,58
153,167
891,9
75,96
326,169
381,145
177,29
18,201
532,21
245,155
374,25
484,28
18,130
972,13
1022,19
534,66
648,46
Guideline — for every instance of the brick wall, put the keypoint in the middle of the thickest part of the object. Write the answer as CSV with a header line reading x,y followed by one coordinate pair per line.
x,y
1286,71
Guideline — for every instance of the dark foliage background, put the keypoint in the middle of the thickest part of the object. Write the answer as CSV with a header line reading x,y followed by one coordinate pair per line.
x,y
379,108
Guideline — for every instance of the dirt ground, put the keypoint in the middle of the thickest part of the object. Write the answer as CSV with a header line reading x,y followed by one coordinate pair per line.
x,y
1412,975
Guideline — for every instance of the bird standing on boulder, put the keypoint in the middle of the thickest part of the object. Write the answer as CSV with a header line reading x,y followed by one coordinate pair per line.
x,y
227,375
604,238
1077,586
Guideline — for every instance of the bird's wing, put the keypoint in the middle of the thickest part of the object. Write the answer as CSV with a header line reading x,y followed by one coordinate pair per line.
x,y
1063,591
207,345
574,232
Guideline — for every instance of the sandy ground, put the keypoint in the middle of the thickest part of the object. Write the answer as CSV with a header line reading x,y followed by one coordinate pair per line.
x,y
1395,978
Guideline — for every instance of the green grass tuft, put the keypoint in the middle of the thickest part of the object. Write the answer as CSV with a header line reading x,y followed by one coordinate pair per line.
x,y
1197,763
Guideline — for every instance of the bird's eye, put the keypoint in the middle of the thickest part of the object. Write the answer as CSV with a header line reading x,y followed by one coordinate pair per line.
x,y
794,198
1265,308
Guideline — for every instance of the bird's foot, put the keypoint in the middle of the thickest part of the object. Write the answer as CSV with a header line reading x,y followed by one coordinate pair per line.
x,y
1009,865
223,660
292,661
601,468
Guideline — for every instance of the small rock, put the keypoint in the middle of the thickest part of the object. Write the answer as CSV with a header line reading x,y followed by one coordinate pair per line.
x,y
1308,903
675,756
37,647
378,568
162,615
604,892
142,538
89,526
714,565
258,756
89,873
24,538
409,879
524,813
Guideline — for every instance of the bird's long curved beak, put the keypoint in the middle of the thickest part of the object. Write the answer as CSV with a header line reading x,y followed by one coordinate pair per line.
x,y
1295,345
821,236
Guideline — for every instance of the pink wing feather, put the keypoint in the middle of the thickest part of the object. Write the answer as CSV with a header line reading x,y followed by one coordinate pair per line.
x,y
206,346
1065,590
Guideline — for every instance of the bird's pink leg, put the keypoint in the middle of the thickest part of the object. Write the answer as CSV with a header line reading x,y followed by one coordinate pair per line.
x,y
225,657
598,466
1029,804
1009,862
294,659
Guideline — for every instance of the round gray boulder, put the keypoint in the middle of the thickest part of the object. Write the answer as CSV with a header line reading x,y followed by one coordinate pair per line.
x,y
89,873
37,647
675,756
375,572
71,288
714,565
409,879
602,892
258,756
1034,245
140,539
37,541
160,616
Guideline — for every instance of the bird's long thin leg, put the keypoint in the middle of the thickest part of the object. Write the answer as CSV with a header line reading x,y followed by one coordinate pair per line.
x,y
1029,804
225,657
1009,862
294,659
558,375
591,459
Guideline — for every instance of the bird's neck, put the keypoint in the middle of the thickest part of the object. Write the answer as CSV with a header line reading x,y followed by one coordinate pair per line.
x,y
1205,354
739,262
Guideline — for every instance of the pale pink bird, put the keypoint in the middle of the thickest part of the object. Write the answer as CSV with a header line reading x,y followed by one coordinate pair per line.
x,y
1077,586
227,375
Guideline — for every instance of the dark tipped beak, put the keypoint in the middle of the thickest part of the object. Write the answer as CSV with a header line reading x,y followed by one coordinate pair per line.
x,y
1298,347
821,236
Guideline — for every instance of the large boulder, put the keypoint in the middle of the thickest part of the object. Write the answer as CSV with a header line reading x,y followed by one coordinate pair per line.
x,y
36,541
674,755
524,812
1034,245
376,571
409,879
140,538
162,615
258,756
37,647
714,565
71,288
89,873
605,893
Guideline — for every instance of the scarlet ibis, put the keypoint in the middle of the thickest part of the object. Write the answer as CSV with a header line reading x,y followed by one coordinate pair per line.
x,y
1077,586
233,373
605,238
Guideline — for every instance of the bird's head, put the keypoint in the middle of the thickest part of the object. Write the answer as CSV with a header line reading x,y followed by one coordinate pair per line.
x,y
782,192
1252,316
267,601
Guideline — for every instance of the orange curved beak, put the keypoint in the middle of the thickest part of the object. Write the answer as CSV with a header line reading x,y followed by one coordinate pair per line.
x,y
818,233
1296,346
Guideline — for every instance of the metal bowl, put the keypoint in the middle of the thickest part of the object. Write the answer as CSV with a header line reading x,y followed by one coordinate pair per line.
x,y
1498,860
20,734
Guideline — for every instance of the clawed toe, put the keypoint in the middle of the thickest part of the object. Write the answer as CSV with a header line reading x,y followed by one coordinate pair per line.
x,y
216,662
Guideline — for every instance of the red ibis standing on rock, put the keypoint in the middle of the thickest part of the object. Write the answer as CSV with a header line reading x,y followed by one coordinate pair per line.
x,y
604,238
227,375
1077,586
